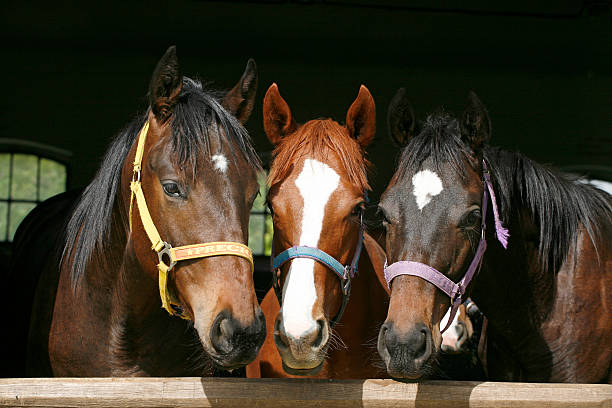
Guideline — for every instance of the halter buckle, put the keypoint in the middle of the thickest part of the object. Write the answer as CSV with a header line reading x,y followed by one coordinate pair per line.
x,y
136,174
346,286
166,251
347,272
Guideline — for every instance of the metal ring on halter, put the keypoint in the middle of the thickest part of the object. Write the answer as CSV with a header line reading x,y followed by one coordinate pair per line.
x,y
346,293
346,285
166,251
347,272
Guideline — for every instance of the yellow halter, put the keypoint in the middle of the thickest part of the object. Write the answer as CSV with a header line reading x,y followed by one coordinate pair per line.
x,y
165,251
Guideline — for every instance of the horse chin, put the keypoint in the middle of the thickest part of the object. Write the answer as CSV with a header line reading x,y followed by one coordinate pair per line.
x,y
303,371
237,358
305,365
222,364
408,372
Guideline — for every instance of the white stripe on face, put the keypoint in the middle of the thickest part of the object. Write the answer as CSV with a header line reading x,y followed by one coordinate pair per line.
x,y
316,183
426,185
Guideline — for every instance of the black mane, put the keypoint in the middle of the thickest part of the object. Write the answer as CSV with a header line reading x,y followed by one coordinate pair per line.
x,y
197,113
558,204
439,140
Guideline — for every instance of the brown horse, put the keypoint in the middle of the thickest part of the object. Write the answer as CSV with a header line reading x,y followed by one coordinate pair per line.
x,y
97,313
318,189
547,296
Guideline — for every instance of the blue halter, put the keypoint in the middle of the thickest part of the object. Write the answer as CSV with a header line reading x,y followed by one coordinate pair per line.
x,y
344,273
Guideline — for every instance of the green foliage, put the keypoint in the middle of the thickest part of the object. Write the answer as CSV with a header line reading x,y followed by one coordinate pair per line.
x,y
25,175
18,213
5,162
260,223
3,220
52,178
25,190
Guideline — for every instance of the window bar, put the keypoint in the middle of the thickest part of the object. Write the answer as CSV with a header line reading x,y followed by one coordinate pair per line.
x,y
38,181
8,201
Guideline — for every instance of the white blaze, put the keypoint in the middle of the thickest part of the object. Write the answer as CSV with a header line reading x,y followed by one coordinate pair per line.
x,y
316,183
426,185
220,162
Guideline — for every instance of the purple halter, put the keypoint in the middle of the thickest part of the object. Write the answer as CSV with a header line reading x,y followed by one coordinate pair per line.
x,y
455,290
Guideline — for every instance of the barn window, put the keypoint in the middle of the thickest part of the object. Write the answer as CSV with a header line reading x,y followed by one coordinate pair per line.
x,y
29,173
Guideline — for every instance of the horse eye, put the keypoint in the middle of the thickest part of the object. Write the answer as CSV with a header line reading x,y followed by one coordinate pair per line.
x,y
473,218
385,219
172,189
359,208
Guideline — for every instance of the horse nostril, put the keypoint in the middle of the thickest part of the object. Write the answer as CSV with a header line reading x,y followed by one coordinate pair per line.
x,y
389,337
421,344
461,333
280,337
226,328
221,333
320,334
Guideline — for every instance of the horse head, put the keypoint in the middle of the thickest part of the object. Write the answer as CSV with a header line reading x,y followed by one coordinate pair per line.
x,y
318,186
432,208
198,176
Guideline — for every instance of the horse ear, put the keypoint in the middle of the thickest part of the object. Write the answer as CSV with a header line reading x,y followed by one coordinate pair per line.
x,y
278,121
165,86
241,98
475,124
361,117
400,119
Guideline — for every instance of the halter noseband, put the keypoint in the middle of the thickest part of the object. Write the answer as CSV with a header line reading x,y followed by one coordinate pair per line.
x,y
344,273
455,290
167,255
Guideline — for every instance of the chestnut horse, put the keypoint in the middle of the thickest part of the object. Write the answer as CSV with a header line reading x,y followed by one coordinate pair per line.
x,y
184,173
318,191
546,296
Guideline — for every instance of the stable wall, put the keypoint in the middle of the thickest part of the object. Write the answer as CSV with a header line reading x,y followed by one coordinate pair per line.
x,y
74,75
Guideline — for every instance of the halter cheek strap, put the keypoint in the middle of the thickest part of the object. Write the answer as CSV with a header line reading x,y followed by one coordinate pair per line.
x,y
167,255
455,291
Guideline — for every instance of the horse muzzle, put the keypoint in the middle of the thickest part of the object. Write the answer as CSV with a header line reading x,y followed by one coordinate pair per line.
x,y
235,345
406,355
302,353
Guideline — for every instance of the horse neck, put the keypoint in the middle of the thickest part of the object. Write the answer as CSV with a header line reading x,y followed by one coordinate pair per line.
x,y
516,293
369,294
165,344
358,329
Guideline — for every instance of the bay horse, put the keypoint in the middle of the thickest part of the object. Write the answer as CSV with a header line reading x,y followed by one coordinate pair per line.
x,y
183,173
448,210
318,192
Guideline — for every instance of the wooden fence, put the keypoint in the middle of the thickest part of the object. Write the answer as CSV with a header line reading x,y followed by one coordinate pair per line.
x,y
247,393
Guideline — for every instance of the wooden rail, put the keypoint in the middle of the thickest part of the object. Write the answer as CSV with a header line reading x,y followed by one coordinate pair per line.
x,y
246,393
